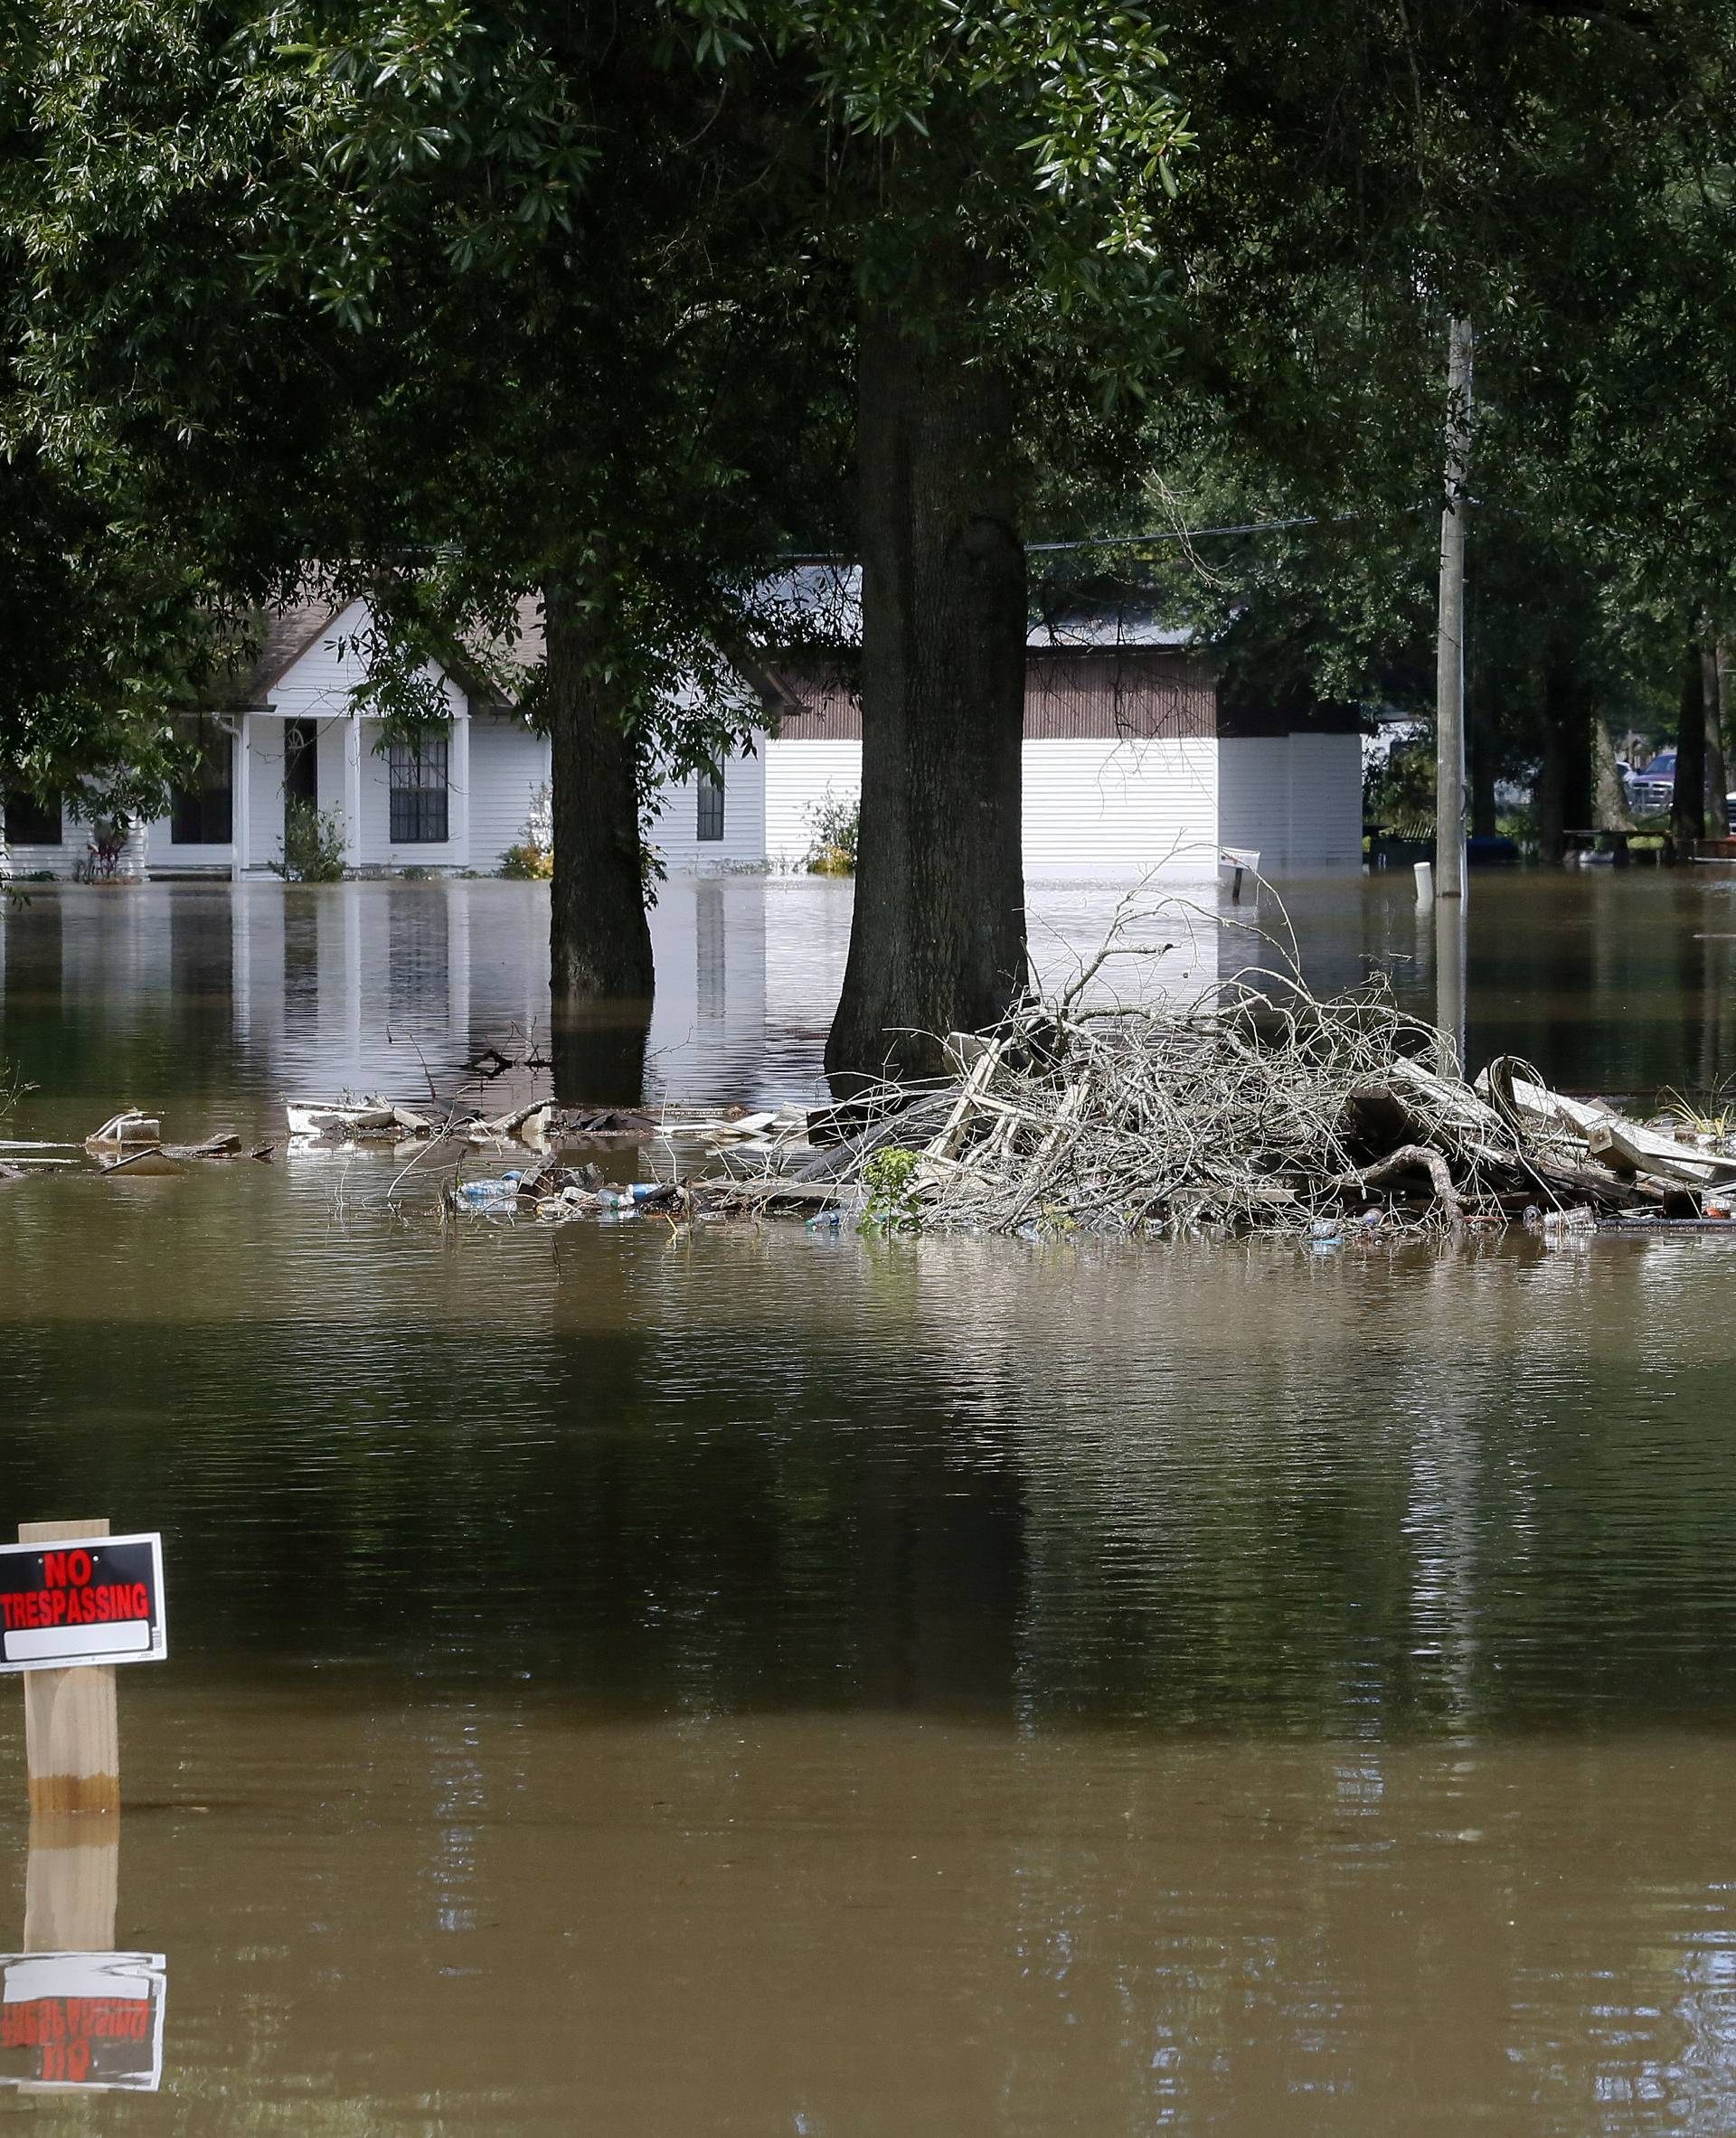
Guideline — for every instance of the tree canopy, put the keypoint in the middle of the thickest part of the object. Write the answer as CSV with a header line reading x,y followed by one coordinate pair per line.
x,y
616,307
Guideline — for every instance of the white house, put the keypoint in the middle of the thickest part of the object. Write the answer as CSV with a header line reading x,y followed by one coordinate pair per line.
x,y
289,732
1131,767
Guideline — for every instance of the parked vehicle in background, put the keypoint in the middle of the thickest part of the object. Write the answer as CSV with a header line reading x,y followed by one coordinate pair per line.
x,y
1653,788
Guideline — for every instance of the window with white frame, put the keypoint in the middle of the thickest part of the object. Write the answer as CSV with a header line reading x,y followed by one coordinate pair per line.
x,y
201,805
711,806
417,773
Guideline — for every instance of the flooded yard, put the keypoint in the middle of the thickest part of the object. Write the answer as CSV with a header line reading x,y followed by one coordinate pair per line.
x,y
772,1681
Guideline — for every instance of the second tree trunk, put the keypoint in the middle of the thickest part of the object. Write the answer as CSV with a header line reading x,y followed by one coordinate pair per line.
x,y
938,941
599,940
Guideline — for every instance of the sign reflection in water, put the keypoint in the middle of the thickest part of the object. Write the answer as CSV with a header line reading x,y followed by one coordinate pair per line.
x,y
91,2022
76,2015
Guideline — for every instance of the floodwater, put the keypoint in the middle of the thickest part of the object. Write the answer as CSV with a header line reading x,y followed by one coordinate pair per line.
x,y
784,1682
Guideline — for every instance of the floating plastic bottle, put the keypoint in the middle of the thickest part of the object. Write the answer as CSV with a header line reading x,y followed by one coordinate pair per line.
x,y
495,1194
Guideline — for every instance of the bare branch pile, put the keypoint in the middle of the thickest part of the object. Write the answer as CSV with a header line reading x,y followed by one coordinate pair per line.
x,y
1254,1108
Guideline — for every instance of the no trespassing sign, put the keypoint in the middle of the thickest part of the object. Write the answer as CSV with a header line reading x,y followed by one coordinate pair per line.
x,y
82,1600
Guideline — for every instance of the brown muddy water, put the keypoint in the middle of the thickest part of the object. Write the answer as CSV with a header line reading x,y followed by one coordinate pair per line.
x,y
787,1682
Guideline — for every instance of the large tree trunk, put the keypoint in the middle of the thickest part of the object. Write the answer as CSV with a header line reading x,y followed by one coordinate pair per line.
x,y
1564,780
1688,805
938,940
1713,688
1609,810
600,940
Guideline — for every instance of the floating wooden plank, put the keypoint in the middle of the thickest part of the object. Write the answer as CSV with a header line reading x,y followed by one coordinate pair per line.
x,y
1626,1147
756,1194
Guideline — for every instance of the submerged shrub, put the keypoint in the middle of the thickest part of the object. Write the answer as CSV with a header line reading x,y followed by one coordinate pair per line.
x,y
530,858
836,821
527,863
313,845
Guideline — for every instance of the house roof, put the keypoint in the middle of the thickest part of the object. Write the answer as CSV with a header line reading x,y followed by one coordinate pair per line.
x,y
293,629
825,601
817,604
522,647
288,633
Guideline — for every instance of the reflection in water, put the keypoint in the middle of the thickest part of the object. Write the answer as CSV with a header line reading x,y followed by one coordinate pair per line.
x,y
545,1924
775,1680
71,1883
598,1051
1606,981
77,2017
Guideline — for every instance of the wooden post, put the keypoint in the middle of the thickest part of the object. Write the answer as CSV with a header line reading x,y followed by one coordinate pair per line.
x,y
72,1731
1449,644
71,1883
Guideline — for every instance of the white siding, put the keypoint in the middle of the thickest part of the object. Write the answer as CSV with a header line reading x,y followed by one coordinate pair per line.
x,y
264,790
21,860
316,685
508,763
1325,800
1254,795
1112,810
1297,798
674,828
58,861
798,776
1092,809
166,858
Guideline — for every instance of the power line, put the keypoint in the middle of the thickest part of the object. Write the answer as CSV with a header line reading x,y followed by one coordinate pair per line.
x,y
1133,542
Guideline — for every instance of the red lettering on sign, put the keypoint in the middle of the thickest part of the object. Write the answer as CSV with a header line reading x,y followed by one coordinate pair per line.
x,y
66,2066
71,1596
44,2021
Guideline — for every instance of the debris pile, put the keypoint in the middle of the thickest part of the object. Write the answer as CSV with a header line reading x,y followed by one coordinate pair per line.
x,y
1267,1111
1252,1110
370,1118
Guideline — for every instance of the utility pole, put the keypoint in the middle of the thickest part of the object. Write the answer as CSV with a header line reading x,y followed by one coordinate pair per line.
x,y
1450,654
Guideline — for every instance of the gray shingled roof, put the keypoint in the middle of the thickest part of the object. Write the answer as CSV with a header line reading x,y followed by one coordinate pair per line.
x,y
829,596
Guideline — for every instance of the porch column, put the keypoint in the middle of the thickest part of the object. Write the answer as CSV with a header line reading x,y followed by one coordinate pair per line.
x,y
353,792
458,830
240,800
